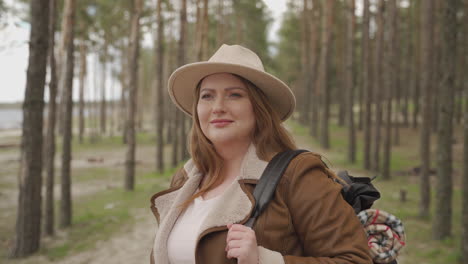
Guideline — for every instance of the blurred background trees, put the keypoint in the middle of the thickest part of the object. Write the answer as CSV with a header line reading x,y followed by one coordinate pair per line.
x,y
375,67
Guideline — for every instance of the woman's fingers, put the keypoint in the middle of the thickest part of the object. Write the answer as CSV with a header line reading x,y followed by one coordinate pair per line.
x,y
233,244
241,243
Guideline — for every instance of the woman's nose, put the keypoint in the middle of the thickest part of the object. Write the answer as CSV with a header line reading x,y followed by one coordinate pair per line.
x,y
219,105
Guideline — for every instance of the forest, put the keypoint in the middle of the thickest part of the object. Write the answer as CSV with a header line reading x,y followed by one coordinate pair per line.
x,y
381,89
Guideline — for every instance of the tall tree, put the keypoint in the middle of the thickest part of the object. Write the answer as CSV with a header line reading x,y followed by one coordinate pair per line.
x,y
28,220
66,85
220,28
378,83
305,78
464,220
134,50
427,34
323,71
159,89
366,87
351,24
81,100
49,149
442,224
181,60
416,76
390,85
315,44
103,103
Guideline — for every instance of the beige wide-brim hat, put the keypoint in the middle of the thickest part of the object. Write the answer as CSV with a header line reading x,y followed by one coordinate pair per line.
x,y
230,59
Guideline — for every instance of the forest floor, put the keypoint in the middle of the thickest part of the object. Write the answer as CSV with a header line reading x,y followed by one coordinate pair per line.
x,y
114,226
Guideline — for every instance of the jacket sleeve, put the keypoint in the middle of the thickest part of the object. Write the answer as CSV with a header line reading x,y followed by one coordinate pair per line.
x,y
326,225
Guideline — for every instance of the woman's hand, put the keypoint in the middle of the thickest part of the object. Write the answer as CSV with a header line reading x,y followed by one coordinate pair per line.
x,y
242,244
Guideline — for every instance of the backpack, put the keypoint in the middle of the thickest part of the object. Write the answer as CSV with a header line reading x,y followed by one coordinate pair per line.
x,y
357,191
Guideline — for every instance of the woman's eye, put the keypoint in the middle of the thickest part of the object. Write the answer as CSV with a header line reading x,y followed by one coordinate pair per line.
x,y
205,96
236,95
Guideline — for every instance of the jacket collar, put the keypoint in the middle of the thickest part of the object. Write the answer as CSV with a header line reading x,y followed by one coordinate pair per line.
x,y
233,206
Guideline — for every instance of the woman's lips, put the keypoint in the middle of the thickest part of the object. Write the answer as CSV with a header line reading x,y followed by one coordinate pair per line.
x,y
221,122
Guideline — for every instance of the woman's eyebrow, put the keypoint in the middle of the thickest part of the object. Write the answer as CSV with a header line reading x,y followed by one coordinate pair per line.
x,y
226,89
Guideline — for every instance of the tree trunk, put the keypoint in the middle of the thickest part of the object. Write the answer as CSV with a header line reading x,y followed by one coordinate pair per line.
x,y
67,88
49,150
351,24
124,94
103,106
464,202
406,63
366,87
159,90
437,62
327,23
28,221
134,50
427,34
442,224
378,82
220,28
305,61
313,89
181,61
175,144
202,25
81,106
314,100
417,77
390,84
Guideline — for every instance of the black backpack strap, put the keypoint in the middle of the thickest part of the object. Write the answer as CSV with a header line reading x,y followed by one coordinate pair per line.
x,y
266,186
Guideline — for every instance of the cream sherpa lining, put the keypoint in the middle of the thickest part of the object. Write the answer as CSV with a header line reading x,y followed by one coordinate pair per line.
x,y
266,256
232,207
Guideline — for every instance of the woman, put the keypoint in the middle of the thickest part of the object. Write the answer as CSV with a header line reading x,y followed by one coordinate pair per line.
x,y
237,110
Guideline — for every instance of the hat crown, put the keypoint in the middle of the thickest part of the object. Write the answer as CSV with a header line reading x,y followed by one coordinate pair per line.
x,y
236,54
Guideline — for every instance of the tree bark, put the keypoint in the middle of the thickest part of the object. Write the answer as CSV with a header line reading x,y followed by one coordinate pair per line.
x,y
175,142
67,88
378,82
315,97
366,87
327,23
103,105
28,221
134,49
305,60
442,224
159,90
351,24
181,60
464,202
124,94
220,34
427,34
407,63
81,105
49,150
417,71
390,84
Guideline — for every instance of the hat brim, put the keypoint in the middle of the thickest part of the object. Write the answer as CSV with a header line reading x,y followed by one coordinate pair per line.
x,y
183,81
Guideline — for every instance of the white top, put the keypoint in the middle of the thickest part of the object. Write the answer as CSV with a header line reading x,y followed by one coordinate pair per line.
x,y
183,237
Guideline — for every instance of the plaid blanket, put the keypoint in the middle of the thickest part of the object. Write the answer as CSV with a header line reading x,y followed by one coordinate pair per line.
x,y
385,234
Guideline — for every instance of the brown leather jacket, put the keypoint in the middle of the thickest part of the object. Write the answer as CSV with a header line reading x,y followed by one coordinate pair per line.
x,y
307,221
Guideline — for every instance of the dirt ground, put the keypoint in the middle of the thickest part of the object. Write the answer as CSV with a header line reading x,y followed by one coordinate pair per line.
x,y
132,244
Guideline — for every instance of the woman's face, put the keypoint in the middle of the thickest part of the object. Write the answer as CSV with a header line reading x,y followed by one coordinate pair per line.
x,y
224,110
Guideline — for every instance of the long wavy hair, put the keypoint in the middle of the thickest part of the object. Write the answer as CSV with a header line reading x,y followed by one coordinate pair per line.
x,y
269,137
